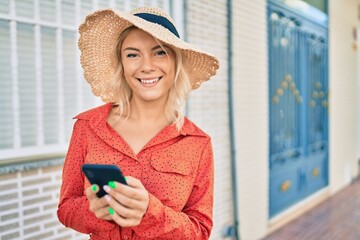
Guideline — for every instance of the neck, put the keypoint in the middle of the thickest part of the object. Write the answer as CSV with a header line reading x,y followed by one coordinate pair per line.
x,y
147,111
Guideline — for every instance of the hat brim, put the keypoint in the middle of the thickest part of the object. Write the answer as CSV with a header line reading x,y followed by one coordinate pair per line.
x,y
98,36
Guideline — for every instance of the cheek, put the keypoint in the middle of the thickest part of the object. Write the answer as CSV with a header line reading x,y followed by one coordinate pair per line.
x,y
128,74
169,68
129,69
129,64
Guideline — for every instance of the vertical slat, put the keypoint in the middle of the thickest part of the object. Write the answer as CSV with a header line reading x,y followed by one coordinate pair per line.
x,y
60,69
69,85
79,79
14,71
27,84
6,87
38,78
50,86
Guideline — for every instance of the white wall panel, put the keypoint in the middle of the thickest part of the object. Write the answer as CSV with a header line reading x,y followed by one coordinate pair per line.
x,y
208,105
343,95
251,115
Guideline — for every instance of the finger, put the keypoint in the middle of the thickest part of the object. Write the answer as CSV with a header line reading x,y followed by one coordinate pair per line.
x,y
130,192
108,217
122,221
124,200
96,204
91,191
102,212
122,210
132,189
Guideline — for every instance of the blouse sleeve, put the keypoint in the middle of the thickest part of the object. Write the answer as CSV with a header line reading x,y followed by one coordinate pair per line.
x,y
73,210
195,220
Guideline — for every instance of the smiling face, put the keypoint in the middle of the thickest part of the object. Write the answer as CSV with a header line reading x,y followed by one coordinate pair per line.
x,y
149,68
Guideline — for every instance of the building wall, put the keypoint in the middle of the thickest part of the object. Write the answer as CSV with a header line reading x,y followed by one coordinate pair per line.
x,y
208,105
250,82
343,96
28,204
28,198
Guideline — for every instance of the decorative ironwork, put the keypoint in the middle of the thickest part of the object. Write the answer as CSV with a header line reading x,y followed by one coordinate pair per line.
x,y
285,186
318,96
315,172
298,103
284,86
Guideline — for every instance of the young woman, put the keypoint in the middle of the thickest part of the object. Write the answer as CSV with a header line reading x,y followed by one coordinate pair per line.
x,y
138,64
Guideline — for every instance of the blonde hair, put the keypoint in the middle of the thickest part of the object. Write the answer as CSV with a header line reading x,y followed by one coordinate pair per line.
x,y
175,104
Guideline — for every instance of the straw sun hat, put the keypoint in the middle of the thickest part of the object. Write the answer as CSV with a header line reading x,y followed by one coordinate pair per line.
x,y
101,29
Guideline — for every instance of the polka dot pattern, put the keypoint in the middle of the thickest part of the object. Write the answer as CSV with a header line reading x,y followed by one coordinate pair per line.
x,y
176,167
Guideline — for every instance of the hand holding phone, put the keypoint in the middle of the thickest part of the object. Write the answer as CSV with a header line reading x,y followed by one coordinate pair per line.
x,y
101,174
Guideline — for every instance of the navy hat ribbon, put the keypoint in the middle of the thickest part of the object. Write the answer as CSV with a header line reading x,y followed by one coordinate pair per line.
x,y
159,20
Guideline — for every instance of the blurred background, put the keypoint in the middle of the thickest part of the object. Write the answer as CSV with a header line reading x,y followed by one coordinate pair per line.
x,y
283,111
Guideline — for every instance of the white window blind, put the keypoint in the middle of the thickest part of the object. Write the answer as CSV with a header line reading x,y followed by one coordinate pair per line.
x,y
86,7
68,12
4,6
47,10
27,84
50,86
41,81
104,4
6,87
25,8
69,80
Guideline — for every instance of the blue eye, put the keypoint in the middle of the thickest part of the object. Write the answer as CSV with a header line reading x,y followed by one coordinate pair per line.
x,y
161,53
131,55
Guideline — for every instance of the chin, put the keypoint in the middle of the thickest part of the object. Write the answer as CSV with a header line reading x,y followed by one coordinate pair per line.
x,y
152,98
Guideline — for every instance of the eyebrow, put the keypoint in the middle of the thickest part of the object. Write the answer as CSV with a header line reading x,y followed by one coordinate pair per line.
x,y
152,49
131,49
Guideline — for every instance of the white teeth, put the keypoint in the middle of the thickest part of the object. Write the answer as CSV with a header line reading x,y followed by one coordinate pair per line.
x,y
149,81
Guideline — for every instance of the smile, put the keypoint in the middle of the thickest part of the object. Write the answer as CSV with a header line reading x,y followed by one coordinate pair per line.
x,y
149,81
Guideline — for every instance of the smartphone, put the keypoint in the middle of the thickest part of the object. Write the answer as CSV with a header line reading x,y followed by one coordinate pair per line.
x,y
101,174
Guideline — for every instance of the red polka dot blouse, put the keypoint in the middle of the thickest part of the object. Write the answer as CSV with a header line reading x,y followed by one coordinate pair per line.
x,y
176,168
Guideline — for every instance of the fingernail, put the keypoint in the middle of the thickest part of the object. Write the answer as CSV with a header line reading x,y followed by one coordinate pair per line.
x,y
108,198
112,184
106,188
111,211
94,188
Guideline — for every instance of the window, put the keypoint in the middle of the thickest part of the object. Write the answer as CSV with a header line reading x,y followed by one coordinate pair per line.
x,y
41,81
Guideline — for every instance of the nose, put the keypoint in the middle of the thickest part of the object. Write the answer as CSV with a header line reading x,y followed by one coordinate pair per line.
x,y
147,64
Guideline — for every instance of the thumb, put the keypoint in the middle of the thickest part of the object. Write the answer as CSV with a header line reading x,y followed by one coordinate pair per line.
x,y
91,191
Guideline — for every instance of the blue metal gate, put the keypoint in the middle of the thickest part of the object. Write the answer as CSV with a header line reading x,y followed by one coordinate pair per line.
x,y
298,102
